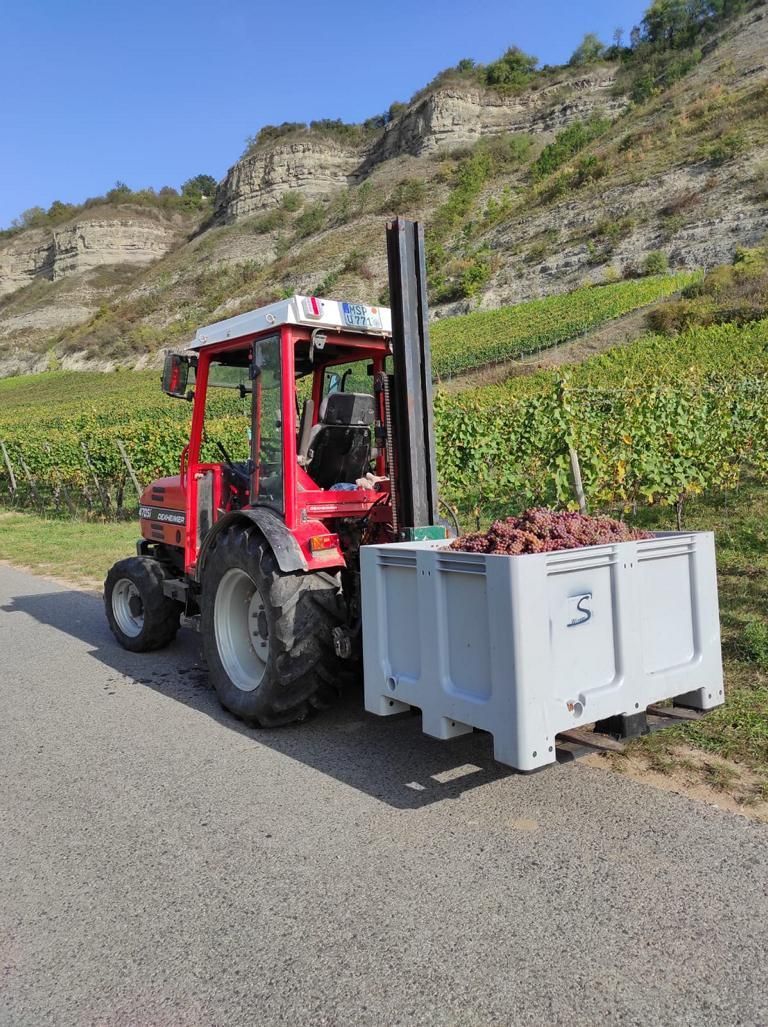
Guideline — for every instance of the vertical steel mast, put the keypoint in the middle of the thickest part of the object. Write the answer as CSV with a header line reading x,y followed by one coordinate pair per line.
x,y
410,385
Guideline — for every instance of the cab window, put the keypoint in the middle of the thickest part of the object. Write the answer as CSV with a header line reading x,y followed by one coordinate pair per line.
x,y
268,443
227,414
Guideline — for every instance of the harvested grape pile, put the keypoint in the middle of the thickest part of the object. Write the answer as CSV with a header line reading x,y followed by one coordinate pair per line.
x,y
545,531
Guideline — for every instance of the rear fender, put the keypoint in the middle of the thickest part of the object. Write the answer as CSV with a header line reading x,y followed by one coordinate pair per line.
x,y
287,550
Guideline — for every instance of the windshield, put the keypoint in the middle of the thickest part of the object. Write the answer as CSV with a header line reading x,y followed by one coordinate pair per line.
x,y
227,414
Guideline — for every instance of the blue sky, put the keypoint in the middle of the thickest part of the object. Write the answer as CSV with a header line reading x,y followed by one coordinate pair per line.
x,y
154,91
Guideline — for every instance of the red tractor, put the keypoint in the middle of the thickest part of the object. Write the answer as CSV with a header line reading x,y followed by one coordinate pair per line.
x,y
328,408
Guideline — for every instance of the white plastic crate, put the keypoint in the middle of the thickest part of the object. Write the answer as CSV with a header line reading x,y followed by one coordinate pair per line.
x,y
527,646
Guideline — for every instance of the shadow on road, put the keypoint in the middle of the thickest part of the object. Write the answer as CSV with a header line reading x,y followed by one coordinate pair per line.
x,y
388,758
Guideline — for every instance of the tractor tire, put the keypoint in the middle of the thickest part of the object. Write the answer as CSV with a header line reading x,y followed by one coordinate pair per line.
x,y
267,634
140,616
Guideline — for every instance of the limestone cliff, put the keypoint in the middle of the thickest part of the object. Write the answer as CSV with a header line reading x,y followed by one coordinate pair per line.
x,y
313,167
459,115
95,238
446,117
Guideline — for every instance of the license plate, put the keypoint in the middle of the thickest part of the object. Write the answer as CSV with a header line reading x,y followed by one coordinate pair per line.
x,y
358,315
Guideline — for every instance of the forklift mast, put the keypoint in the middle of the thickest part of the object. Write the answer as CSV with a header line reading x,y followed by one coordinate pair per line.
x,y
408,390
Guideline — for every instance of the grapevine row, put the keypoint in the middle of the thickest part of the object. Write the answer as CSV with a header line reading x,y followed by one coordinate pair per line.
x,y
652,423
460,344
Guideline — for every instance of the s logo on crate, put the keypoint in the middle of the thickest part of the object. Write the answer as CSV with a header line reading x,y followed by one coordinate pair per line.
x,y
579,609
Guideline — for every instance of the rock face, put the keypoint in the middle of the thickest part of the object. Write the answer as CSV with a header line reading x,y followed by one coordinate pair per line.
x,y
696,213
447,117
721,215
457,115
88,244
23,257
91,241
313,167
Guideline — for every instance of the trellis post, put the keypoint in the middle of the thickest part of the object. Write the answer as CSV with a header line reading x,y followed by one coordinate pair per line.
x,y
129,465
8,464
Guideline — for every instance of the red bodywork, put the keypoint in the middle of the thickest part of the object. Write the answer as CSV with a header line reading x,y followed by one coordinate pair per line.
x,y
163,512
169,506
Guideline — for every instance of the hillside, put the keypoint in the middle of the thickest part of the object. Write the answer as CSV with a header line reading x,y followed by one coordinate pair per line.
x,y
531,182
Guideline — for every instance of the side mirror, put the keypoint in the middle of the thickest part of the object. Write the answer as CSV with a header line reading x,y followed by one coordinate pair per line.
x,y
176,375
334,383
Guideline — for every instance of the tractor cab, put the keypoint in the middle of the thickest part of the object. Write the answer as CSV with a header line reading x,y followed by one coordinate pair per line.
x,y
287,420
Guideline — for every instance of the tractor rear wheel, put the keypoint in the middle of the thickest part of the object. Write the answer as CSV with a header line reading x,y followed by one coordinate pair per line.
x,y
267,634
141,617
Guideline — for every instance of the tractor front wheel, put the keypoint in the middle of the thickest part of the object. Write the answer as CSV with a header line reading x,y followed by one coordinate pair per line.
x,y
267,635
141,617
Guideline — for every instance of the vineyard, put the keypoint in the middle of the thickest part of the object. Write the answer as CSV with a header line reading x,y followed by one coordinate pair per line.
x,y
655,422
464,343
77,440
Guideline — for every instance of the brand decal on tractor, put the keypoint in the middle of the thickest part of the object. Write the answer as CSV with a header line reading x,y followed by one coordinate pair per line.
x,y
155,513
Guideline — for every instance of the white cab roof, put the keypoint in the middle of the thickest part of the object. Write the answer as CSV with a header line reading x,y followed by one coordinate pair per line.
x,y
298,310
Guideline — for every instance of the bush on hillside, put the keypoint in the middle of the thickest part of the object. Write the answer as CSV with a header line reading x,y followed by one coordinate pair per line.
x,y
727,295
269,221
760,183
409,194
507,150
724,148
513,70
330,128
196,194
677,24
679,316
312,219
268,133
395,110
335,128
658,71
33,217
666,44
291,201
567,144
201,187
655,263
589,51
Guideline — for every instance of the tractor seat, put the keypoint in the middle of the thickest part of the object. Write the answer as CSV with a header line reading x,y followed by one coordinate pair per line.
x,y
340,443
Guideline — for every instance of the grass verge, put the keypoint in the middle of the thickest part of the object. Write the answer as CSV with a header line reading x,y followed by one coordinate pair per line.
x,y
81,552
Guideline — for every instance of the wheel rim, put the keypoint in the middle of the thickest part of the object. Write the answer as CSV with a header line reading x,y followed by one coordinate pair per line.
x,y
241,629
128,608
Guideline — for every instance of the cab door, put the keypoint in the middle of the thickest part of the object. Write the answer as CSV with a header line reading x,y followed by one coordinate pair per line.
x,y
272,402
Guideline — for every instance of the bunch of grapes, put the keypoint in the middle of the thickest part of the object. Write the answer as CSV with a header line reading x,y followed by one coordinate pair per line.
x,y
545,531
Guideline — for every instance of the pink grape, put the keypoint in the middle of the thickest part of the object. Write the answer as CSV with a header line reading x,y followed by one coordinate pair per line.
x,y
539,530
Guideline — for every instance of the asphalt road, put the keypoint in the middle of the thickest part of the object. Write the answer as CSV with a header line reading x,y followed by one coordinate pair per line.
x,y
161,865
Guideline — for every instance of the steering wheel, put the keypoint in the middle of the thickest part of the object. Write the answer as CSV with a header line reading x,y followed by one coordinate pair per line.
x,y
237,471
227,458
